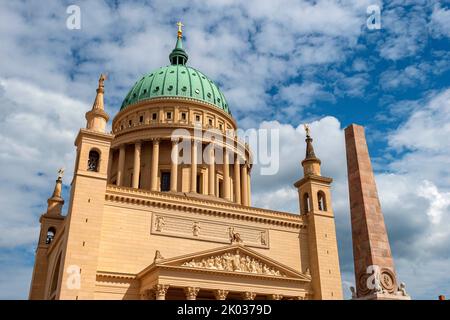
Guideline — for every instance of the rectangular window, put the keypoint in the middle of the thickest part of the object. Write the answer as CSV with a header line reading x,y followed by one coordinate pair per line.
x,y
154,116
141,119
183,116
197,118
210,122
165,181
169,115
129,122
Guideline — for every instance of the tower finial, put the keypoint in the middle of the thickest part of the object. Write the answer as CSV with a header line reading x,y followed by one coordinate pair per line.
x,y
178,56
307,129
101,81
97,117
55,202
180,30
311,164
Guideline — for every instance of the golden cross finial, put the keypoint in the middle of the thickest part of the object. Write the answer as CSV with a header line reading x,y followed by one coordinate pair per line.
x,y
180,30
307,129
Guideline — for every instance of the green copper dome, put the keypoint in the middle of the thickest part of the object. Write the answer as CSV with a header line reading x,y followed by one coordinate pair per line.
x,y
178,81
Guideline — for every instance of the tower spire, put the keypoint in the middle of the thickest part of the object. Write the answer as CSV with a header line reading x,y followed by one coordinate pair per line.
x,y
55,202
178,55
311,164
97,117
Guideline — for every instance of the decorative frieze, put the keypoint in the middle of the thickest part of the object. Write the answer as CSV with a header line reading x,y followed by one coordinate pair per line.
x,y
207,230
234,262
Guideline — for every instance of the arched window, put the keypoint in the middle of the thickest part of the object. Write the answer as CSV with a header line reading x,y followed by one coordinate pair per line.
x,y
55,277
321,201
94,159
306,203
51,232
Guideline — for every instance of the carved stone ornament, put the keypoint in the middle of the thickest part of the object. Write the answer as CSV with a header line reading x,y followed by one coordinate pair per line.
x,y
159,223
248,295
234,262
195,229
158,256
235,237
220,294
191,292
387,280
161,289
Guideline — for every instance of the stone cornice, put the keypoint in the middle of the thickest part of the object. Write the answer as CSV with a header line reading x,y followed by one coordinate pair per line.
x,y
320,179
205,206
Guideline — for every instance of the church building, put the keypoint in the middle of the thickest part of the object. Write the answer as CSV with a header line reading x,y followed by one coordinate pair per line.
x,y
142,225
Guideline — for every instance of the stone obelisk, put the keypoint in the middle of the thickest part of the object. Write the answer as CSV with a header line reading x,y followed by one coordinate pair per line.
x,y
375,275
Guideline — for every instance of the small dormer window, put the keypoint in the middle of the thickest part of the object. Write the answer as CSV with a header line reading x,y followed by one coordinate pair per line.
x,y
197,91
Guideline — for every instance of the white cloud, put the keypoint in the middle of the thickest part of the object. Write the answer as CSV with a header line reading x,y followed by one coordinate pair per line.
x,y
37,130
438,201
440,21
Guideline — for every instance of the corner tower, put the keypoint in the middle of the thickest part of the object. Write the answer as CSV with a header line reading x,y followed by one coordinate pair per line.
x,y
80,248
51,226
315,205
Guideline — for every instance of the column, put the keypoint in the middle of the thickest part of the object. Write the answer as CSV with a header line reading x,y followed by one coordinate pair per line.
x,y
249,185
194,166
244,178
121,165
237,180
220,294
174,168
160,291
248,295
110,161
191,293
211,171
137,164
226,175
155,165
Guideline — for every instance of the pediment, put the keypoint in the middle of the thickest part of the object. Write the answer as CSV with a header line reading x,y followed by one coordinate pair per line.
x,y
234,259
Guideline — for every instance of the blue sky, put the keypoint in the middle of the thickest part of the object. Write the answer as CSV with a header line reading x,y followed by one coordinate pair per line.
x,y
279,65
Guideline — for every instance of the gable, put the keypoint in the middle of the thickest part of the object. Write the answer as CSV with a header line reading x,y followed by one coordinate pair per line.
x,y
236,259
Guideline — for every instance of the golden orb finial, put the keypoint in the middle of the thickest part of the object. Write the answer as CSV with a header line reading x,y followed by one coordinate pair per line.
x,y
180,30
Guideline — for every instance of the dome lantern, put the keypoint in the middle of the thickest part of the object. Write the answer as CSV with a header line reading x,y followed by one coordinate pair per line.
x,y
178,56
